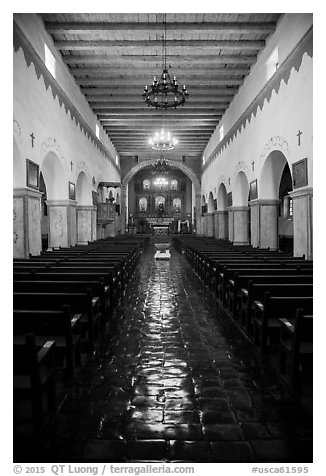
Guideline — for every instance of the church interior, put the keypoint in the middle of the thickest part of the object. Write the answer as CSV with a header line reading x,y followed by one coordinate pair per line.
x,y
163,237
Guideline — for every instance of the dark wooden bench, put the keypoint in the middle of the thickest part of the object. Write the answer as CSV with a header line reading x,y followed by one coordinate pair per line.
x,y
296,350
256,292
98,288
34,382
58,325
83,303
266,314
240,280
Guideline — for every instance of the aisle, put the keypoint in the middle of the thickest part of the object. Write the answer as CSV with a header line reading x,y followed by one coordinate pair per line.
x,y
174,386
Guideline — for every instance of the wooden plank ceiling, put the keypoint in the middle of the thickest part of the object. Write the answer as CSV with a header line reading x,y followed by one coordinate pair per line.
x,y
113,56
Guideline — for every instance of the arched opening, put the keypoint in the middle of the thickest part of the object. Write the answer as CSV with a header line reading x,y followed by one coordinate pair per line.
x,y
241,211
177,205
241,190
54,178
210,204
83,190
44,215
285,215
222,199
159,203
275,183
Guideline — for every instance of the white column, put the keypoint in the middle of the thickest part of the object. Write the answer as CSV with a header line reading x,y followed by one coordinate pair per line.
x,y
240,225
268,224
210,224
254,223
72,223
223,225
86,224
302,222
215,215
230,224
59,219
26,222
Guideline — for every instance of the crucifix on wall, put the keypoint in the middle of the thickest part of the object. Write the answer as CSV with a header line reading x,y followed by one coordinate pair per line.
x,y
71,165
33,138
299,136
253,165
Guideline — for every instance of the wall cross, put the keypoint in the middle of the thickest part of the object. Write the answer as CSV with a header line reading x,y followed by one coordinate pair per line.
x,y
299,136
33,138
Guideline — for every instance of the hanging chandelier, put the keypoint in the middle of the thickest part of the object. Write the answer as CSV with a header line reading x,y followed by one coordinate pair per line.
x,y
165,92
162,140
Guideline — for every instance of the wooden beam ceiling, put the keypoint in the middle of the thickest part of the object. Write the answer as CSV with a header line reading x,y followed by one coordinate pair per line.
x,y
113,56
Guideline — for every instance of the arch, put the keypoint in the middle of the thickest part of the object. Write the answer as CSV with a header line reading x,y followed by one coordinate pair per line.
x,y
210,206
19,171
222,199
54,177
170,163
83,190
271,174
241,190
203,200
149,163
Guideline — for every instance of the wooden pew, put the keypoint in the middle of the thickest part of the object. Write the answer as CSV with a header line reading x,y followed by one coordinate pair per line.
x,y
224,279
34,379
58,325
256,292
83,303
266,326
241,278
98,288
296,350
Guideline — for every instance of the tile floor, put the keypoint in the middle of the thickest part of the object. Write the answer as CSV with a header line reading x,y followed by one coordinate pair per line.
x,y
177,383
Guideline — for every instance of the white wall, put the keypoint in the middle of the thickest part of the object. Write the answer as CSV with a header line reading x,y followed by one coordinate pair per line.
x,y
290,29
35,110
275,127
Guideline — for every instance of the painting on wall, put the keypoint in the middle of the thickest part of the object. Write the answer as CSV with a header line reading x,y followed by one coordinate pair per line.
x,y
253,193
300,173
72,191
32,174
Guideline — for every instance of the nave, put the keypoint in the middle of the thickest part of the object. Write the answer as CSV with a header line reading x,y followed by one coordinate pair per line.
x,y
177,382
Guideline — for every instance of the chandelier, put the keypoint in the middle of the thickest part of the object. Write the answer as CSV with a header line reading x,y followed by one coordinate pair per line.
x,y
163,140
160,166
164,92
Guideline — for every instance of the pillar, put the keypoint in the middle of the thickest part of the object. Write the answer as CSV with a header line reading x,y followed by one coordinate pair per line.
x,y
230,224
86,223
240,225
302,221
62,228
223,224
72,223
254,223
268,224
26,222
210,224
215,214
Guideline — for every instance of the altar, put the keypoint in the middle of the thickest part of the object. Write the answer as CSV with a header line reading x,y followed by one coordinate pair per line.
x,y
160,229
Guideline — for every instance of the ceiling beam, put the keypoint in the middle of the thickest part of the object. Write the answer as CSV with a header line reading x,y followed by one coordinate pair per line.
x,y
154,27
111,101
180,45
145,76
131,91
227,81
217,68
144,108
182,60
